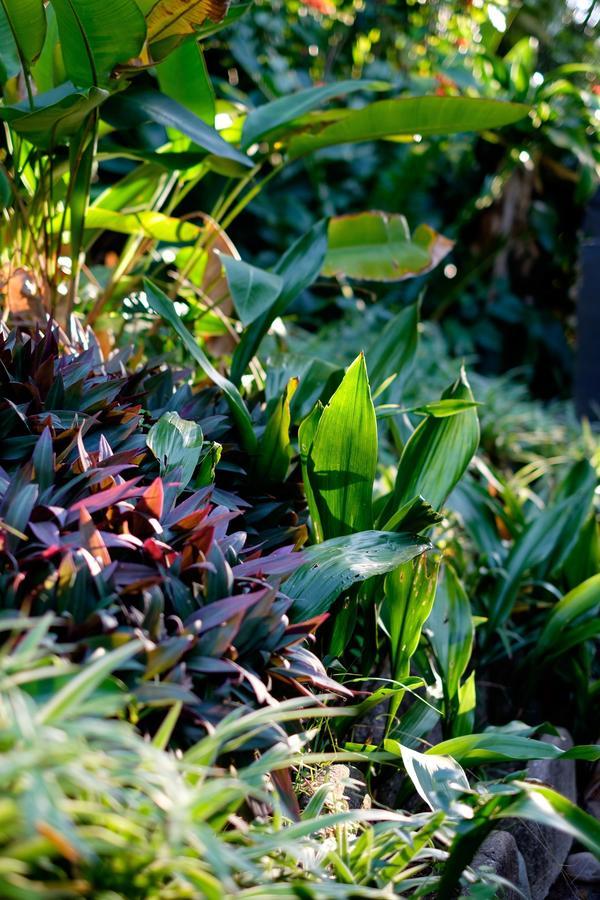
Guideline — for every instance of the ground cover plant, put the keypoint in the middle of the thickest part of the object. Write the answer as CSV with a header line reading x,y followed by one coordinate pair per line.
x,y
284,610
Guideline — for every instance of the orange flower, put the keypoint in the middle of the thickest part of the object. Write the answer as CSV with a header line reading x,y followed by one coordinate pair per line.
x,y
325,7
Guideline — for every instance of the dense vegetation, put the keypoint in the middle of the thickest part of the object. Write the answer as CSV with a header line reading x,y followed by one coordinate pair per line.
x,y
289,593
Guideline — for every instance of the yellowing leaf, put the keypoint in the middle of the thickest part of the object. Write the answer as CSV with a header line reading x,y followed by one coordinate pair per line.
x,y
172,18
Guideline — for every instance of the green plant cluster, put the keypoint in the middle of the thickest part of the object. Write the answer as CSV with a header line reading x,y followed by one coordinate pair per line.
x,y
247,569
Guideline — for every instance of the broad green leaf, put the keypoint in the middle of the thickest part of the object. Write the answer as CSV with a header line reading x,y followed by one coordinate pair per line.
x,y
138,107
67,701
576,611
415,515
534,802
154,225
545,806
274,449
183,77
490,746
298,268
392,354
331,568
253,290
161,304
437,453
545,541
267,118
450,632
48,69
10,63
177,444
55,116
95,39
409,592
426,116
22,33
306,436
342,461
378,246
440,409
438,780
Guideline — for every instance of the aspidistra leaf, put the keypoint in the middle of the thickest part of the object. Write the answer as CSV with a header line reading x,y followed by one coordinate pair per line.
x,y
342,461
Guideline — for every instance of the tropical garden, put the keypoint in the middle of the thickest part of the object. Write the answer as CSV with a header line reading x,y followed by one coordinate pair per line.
x,y
299,529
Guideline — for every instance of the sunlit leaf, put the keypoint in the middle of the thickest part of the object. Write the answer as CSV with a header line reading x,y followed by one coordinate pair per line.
x,y
378,246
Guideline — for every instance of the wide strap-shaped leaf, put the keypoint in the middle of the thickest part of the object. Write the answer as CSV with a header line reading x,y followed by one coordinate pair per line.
x,y
450,632
263,120
392,353
306,437
298,268
342,461
94,39
331,568
409,593
137,107
161,304
545,541
170,21
55,115
22,33
437,453
274,448
378,246
497,746
177,444
426,116
253,290
573,619
183,76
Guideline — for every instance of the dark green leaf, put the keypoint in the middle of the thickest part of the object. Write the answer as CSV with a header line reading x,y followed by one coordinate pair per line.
x,y
331,568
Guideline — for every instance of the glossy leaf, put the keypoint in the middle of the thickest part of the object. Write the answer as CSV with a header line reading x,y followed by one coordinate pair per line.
x,y
55,116
22,33
437,453
393,352
161,304
274,449
94,40
547,539
331,568
183,77
437,779
138,107
574,618
427,116
378,246
490,746
409,592
253,290
298,268
342,461
154,225
177,444
450,632
306,437
263,120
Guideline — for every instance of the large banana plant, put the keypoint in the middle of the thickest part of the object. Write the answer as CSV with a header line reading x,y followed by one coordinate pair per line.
x,y
68,71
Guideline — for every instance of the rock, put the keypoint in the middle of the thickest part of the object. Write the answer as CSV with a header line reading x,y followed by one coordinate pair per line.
x,y
545,849
500,854
583,867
